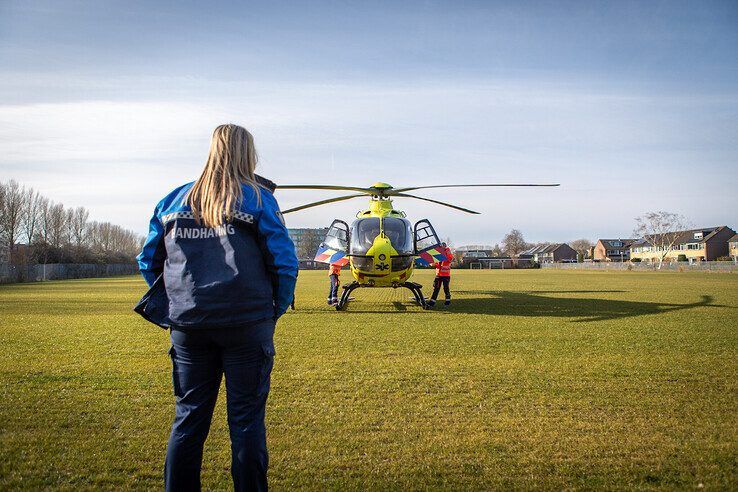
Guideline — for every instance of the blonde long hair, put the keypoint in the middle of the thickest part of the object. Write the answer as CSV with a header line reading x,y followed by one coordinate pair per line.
x,y
217,193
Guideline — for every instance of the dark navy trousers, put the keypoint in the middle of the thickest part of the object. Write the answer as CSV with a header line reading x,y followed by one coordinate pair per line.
x,y
200,358
335,282
437,283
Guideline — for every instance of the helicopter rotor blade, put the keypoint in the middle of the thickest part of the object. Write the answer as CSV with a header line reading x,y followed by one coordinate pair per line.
x,y
395,191
325,187
404,195
323,202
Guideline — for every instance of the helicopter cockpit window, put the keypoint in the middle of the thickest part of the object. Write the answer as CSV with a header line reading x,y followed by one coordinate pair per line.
x,y
399,233
363,233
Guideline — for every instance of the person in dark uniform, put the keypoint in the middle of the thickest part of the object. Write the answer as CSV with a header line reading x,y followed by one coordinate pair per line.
x,y
443,278
334,273
229,268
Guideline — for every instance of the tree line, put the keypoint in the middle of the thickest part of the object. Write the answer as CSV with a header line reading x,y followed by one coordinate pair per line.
x,y
35,229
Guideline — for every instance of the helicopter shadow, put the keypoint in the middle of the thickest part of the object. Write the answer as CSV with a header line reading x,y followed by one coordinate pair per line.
x,y
537,304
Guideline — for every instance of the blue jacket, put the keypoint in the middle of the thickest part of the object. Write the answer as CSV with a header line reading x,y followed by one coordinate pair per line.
x,y
241,272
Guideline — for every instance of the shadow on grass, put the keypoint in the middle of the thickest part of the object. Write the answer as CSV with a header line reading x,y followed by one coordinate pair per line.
x,y
535,304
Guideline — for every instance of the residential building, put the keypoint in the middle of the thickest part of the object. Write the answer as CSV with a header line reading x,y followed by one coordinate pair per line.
x,y
551,253
612,250
533,252
733,247
557,253
705,244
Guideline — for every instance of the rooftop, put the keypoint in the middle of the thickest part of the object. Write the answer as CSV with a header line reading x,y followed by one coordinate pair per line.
x,y
691,236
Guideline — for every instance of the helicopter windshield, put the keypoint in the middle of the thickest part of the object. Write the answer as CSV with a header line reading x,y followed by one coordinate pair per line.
x,y
363,232
400,234
397,230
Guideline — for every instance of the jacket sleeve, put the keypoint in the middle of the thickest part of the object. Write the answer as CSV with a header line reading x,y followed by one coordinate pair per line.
x,y
152,256
280,257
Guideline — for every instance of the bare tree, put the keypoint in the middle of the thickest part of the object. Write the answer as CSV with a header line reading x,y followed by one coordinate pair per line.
x,y
11,214
44,219
497,251
57,225
57,234
582,246
78,219
513,243
2,214
33,202
660,230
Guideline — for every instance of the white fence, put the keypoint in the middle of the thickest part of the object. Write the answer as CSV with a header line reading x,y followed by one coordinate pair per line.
x,y
60,271
677,266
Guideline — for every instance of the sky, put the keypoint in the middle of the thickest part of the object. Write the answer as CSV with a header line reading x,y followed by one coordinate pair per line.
x,y
631,106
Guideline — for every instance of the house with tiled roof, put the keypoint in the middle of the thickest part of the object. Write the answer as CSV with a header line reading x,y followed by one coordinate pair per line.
x,y
550,253
704,244
612,250
733,247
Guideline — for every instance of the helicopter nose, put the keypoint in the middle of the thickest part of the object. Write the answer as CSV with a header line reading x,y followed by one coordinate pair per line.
x,y
382,255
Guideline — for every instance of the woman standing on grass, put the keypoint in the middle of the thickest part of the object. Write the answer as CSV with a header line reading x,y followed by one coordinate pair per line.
x,y
229,270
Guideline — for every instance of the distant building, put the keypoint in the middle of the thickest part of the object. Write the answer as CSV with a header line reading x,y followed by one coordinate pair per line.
x,y
307,240
733,247
706,244
471,254
556,253
551,253
475,247
484,259
533,252
612,250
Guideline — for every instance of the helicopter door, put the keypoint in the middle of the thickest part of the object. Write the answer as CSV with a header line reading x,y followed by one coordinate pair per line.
x,y
335,246
427,245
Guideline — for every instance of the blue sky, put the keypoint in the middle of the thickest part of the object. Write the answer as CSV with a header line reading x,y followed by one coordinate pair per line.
x,y
632,106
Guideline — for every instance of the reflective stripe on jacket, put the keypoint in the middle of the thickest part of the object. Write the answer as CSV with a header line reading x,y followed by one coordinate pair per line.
x,y
240,272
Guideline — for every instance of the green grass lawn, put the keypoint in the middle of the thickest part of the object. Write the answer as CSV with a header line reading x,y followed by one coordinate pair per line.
x,y
546,379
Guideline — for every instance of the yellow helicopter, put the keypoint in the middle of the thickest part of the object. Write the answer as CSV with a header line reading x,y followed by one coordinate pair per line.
x,y
382,246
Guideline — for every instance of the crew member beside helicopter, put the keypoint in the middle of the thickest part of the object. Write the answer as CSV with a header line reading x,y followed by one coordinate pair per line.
x,y
334,273
443,278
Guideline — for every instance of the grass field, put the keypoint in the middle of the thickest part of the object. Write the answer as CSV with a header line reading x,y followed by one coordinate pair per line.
x,y
545,379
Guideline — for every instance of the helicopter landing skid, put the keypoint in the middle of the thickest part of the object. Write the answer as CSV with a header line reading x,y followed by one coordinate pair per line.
x,y
347,289
417,291
415,288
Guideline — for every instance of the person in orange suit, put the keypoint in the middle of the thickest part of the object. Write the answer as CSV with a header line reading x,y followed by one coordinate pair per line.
x,y
443,277
334,273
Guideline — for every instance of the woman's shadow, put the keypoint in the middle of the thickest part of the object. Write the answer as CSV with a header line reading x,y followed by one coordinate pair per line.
x,y
536,303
